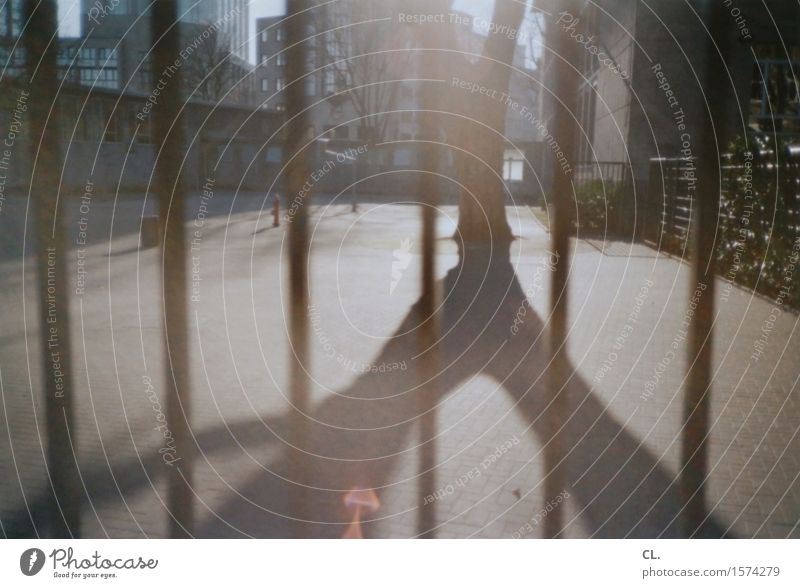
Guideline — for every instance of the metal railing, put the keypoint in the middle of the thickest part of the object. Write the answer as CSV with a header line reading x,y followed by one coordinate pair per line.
x,y
674,217
668,212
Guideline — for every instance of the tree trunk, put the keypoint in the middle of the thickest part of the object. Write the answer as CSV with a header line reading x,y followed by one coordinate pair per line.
x,y
481,213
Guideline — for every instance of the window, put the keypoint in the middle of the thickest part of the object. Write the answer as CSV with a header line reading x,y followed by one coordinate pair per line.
x,y
274,154
280,107
279,34
280,84
145,71
513,165
87,56
310,86
281,59
774,100
329,82
264,59
264,36
265,85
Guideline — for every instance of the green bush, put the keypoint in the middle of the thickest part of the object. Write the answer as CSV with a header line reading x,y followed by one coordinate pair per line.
x,y
597,208
759,218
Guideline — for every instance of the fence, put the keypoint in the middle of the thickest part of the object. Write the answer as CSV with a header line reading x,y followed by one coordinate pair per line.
x,y
673,218
757,220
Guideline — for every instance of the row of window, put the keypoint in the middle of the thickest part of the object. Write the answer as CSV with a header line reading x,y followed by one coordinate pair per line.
x,y
280,59
330,83
99,77
97,123
277,32
87,56
279,84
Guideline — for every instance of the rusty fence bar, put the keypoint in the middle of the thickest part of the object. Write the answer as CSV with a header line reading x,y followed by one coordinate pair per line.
x,y
41,44
566,80
297,172
428,333
171,199
694,451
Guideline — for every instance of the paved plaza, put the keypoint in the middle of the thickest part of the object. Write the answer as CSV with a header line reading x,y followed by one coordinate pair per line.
x,y
628,307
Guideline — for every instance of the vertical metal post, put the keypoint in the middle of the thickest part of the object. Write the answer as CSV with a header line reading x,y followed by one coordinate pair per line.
x,y
41,46
171,198
428,164
428,333
565,89
297,172
694,454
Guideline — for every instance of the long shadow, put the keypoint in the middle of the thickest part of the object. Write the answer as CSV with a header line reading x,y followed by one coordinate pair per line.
x,y
356,436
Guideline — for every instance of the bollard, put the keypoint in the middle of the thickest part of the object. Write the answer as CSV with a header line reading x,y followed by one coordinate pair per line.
x,y
276,211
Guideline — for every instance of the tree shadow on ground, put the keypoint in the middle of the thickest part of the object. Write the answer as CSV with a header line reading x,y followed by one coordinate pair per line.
x,y
355,437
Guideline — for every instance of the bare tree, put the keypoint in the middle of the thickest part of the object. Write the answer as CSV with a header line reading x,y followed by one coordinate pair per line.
x,y
358,49
212,69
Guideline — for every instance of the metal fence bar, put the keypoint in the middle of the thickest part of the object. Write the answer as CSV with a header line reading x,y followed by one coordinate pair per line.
x,y
171,201
297,172
41,44
694,452
565,83
428,333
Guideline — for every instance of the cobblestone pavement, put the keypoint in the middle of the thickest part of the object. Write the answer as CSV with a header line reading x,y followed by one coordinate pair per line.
x,y
626,348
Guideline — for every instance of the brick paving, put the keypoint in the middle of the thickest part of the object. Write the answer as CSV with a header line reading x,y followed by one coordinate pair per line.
x,y
623,432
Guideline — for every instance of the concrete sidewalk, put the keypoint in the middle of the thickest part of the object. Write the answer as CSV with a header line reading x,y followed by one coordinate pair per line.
x,y
627,305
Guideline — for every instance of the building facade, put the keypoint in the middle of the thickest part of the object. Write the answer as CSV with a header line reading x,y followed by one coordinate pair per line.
x,y
648,97
364,87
